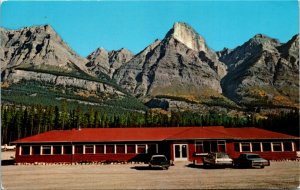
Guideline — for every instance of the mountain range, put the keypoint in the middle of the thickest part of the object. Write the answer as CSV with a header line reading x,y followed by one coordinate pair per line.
x,y
178,72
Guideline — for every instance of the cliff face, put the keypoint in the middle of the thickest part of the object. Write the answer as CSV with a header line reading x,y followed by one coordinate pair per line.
x,y
178,72
37,61
263,71
181,65
38,47
102,61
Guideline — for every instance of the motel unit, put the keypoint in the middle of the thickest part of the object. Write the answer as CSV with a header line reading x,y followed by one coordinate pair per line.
x,y
138,144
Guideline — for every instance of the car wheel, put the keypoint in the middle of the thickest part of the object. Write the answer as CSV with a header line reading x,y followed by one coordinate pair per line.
x,y
262,167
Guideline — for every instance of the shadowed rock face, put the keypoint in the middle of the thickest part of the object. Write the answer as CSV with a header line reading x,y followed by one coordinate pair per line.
x,y
39,54
177,71
101,61
180,65
37,47
263,71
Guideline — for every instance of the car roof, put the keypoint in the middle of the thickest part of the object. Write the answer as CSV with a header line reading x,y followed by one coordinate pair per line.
x,y
250,154
158,156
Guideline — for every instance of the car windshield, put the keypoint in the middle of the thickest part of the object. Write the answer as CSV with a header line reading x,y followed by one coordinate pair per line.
x,y
222,156
253,156
160,159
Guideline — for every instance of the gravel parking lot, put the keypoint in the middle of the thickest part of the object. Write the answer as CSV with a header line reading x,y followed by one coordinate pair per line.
x,y
279,175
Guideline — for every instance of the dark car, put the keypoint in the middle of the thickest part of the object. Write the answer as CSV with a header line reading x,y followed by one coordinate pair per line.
x,y
251,160
217,159
159,161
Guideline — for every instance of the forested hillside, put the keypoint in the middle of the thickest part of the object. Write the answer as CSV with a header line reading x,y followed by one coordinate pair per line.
x,y
22,121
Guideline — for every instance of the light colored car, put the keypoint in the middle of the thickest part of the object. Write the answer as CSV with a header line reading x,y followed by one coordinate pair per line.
x,y
251,160
159,161
217,159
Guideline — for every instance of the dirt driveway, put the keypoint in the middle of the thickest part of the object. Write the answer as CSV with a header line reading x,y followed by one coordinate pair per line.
x,y
278,176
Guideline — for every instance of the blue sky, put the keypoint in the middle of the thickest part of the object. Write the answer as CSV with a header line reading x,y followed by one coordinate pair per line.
x,y
87,25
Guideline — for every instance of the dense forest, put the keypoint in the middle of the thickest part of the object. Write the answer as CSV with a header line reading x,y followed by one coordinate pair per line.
x,y
22,121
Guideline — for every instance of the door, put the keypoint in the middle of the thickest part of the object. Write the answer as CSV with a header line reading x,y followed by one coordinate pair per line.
x,y
180,152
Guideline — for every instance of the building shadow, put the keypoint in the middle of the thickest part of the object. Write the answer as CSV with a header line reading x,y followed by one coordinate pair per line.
x,y
7,162
145,168
198,166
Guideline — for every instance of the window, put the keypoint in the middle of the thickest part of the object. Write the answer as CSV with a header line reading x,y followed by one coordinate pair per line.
x,y
221,146
266,146
236,147
245,147
287,146
36,150
277,146
67,149
152,149
121,149
256,147
110,149
99,149
89,149
25,150
57,149
46,150
213,146
206,146
141,149
78,149
199,147
130,149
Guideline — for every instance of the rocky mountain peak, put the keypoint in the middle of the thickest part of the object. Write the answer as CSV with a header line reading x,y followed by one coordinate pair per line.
x,y
291,47
38,47
264,42
102,61
121,56
188,36
99,52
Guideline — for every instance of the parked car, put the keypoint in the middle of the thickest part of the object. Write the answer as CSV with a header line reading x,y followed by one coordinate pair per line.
x,y
251,160
159,161
217,159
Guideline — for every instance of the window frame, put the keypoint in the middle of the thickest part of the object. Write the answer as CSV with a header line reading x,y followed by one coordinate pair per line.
x,y
36,147
245,143
64,149
99,145
119,145
259,143
21,150
114,149
54,148
134,145
275,145
263,146
137,148
291,145
88,146
46,147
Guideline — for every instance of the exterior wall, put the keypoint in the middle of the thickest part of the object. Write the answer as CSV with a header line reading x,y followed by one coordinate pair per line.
x,y
88,157
76,158
269,155
191,151
166,148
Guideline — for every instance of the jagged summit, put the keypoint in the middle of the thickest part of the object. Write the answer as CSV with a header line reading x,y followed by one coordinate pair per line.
x,y
38,47
103,61
264,41
185,34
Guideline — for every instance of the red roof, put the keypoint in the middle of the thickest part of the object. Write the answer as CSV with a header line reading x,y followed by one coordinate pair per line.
x,y
255,133
151,134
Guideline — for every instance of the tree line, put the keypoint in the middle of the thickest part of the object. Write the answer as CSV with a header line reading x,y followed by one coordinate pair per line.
x,y
23,121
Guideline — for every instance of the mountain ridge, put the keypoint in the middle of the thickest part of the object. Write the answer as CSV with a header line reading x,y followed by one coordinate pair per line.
x,y
178,72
